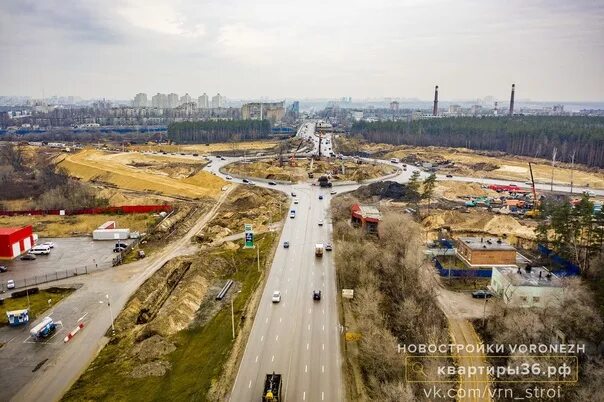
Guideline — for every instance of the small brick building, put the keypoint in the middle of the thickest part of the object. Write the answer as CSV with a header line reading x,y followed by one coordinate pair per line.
x,y
485,251
365,216
15,241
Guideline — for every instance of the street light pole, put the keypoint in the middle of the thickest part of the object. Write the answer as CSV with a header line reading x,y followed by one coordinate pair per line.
x,y
232,318
111,314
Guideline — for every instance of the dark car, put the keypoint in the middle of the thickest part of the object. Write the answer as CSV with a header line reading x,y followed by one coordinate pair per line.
x,y
245,180
3,268
272,183
28,257
316,295
449,175
285,244
320,197
482,294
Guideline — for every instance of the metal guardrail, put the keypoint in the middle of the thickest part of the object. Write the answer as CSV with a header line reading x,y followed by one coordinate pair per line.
x,y
51,277
224,290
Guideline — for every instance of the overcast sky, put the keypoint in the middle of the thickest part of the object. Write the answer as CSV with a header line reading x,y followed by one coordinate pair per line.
x,y
552,50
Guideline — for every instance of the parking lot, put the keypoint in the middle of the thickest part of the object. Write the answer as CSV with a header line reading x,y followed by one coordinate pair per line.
x,y
77,253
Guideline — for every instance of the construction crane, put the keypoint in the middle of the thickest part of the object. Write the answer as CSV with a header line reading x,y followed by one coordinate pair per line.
x,y
533,213
292,159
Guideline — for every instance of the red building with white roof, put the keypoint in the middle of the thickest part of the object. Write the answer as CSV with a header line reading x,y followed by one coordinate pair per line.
x,y
365,216
15,241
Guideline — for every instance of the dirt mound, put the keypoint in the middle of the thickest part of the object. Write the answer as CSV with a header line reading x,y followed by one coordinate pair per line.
x,y
387,190
151,369
458,190
478,222
152,348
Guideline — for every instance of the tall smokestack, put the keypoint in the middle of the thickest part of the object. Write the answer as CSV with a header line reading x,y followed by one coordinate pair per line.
x,y
435,109
512,100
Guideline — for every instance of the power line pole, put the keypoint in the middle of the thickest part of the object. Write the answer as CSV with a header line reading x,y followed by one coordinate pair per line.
x,y
553,164
572,169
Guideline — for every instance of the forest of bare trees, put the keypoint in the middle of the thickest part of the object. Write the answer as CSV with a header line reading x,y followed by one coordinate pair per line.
x,y
535,136
394,300
200,132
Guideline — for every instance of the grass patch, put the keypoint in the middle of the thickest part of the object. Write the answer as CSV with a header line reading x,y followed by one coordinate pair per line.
x,y
38,303
83,225
201,350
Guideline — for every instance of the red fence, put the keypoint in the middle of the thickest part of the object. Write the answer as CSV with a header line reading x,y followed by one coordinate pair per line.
x,y
126,209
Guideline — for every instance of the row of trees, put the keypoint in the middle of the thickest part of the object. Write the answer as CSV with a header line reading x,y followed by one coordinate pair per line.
x,y
534,136
574,232
218,131
394,301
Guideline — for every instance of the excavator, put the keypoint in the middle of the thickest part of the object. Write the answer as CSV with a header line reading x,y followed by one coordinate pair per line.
x,y
533,213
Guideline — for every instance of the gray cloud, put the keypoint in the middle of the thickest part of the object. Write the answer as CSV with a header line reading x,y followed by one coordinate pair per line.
x,y
113,48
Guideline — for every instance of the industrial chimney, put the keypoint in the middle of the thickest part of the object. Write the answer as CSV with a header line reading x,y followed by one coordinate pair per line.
x,y
512,100
435,110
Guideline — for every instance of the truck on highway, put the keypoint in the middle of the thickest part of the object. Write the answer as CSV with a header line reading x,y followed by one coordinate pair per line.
x,y
272,388
43,329
324,181
319,250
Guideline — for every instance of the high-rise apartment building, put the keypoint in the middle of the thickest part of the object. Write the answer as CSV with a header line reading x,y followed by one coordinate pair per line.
x,y
186,98
217,101
159,101
203,101
140,100
173,100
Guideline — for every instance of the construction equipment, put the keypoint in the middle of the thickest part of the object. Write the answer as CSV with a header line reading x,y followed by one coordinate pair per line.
x,y
272,388
533,213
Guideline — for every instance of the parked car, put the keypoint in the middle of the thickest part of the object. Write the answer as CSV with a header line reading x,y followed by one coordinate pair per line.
x,y
40,250
3,268
49,244
482,294
272,183
10,284
285,244
316,295
328,247
28,257
276,296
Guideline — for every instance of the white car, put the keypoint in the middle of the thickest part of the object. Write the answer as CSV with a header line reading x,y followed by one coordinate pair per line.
x,y
320,222
10,284
229,178
295,200
276,296
49,244
332,192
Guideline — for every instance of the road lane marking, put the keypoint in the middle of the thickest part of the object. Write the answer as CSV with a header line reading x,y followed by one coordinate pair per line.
x,y
306,368
273,358
262,338
323,346
250,386
256,359
266,320
304,396
322,396
309,327
323,327
82,317
323,311
322,369
309,310
277,338
285,291
307,346
280,319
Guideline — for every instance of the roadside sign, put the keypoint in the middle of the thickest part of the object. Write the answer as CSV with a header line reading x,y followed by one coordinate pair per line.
x,y
348,293
249,236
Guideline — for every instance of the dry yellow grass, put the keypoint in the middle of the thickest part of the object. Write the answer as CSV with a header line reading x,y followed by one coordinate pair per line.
x,y
113,168
66,226
202,148
509,168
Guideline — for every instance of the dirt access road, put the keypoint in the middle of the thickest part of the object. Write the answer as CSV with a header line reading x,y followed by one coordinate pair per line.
x,y
67,361
458,308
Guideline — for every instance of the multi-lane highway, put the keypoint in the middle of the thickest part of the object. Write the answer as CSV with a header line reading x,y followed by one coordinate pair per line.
x,y
297,337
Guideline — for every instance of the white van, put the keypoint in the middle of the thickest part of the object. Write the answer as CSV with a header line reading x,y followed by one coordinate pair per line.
x,y
40,249
394,160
